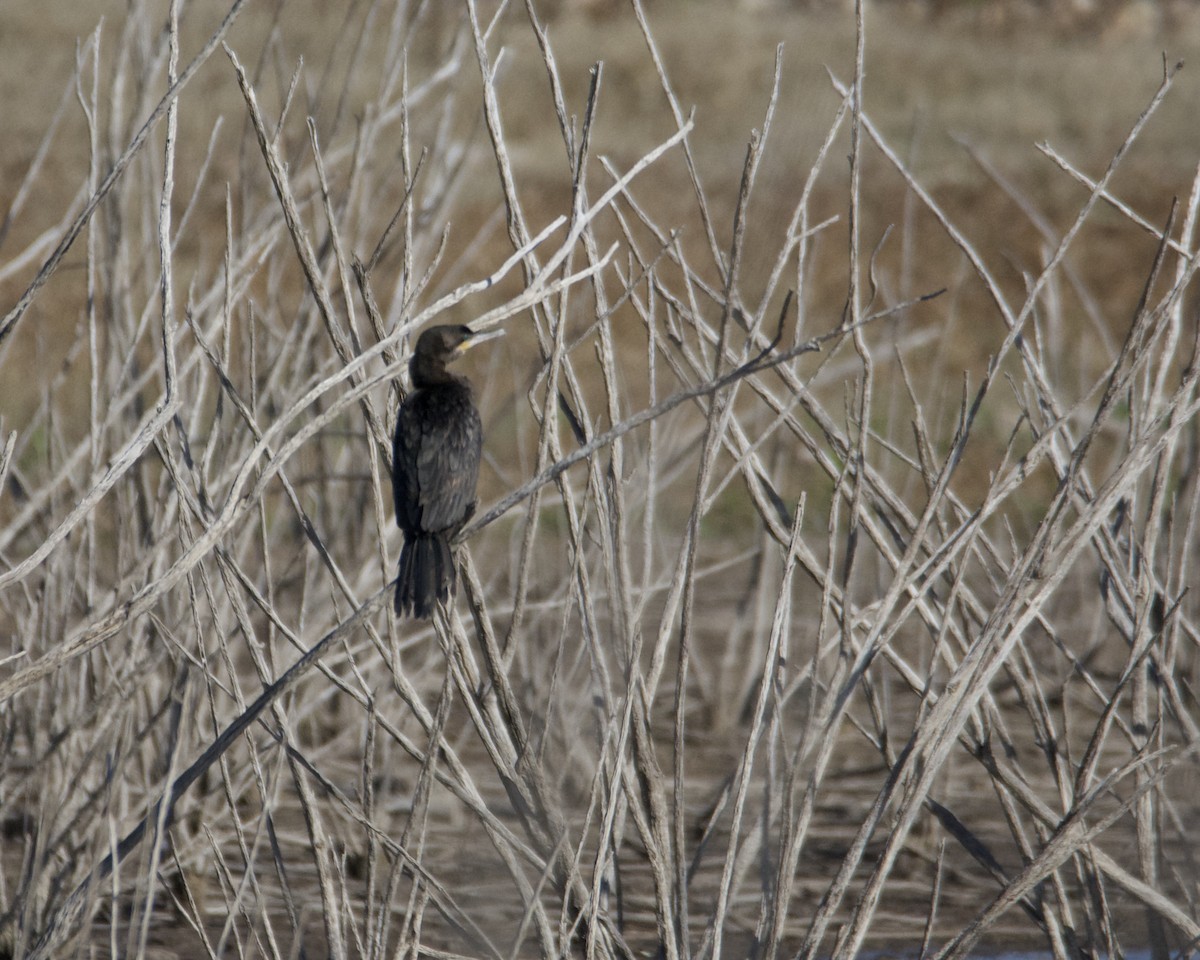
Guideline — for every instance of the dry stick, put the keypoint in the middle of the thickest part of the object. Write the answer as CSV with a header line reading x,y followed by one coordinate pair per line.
x,y
517,229
456,780
247,887
677,112
302,243
335,237
614,544
1118,875
935,895
738,445
321,853
1187,235
66,918
1136,635
1054,921
1040,717
1150,619
1051,237
190,910
48,268
410,698
649,312
167,291
765,360
89,444
200,398
549,439
556,91
1148,632
124,460
33,171
1101,191
866,384
1150,835
518,233
132,393
752,475
797,822
1017,785
425,781
566,877
716,425
834,708
306,522
799,232
1111,382
610,506
1071,835
1015,322
751,478
6,456
652,819
891,654
550,445
90,109
604,763
520,770
410,184
45,240
408,173
647,781
773,660
523,785
170,374
318,845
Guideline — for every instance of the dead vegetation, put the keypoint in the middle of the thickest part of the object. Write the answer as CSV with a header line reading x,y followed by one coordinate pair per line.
x,y
829,584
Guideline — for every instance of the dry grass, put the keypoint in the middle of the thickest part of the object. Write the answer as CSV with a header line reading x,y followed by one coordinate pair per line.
x,y
790,623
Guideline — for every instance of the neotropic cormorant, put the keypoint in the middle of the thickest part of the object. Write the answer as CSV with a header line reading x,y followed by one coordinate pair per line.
x,y
435,464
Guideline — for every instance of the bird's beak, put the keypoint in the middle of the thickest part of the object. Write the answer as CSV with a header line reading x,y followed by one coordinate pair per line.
x,y
476,338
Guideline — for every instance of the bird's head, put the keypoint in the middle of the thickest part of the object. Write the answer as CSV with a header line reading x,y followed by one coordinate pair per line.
x,y
448,342
439,346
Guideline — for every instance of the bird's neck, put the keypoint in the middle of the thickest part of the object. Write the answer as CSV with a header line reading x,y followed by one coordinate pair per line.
x,y
428,372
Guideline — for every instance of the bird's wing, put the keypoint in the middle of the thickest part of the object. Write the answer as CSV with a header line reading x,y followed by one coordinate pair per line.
x,y
405,476
447,470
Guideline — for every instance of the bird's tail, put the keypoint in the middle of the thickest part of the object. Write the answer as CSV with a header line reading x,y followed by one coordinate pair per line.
x,y
427,574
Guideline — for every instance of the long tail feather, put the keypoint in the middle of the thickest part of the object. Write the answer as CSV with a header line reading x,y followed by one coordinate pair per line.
x,y
426,575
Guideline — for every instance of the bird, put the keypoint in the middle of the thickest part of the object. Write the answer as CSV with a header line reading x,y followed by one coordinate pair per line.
x,y
435,467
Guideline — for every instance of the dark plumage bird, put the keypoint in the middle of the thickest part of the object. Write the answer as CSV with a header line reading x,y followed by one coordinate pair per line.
x,y
435,464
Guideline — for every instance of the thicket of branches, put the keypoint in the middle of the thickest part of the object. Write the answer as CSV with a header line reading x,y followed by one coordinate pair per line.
x,y
775,636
